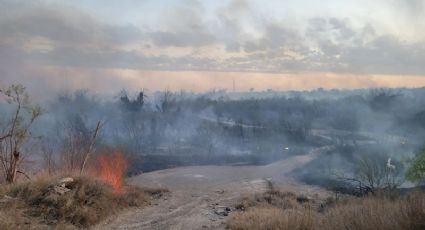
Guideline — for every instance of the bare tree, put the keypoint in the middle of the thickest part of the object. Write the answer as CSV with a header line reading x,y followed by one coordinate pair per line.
x,y
16,131
49,162
78,143
373,173
378,172
90,147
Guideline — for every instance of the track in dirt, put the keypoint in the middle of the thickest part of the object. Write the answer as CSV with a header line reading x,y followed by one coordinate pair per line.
x,y
197,193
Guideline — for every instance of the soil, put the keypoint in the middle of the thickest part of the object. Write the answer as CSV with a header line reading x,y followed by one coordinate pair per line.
x,y
201,197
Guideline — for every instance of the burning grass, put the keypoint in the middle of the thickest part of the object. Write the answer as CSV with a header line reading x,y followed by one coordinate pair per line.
x,y
112,169
35,205
277,210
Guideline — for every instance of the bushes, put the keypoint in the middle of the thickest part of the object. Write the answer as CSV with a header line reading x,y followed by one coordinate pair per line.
x,y
373,212
416,171
86,203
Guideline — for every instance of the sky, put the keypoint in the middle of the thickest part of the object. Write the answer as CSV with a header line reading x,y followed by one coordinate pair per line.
x,y
199,45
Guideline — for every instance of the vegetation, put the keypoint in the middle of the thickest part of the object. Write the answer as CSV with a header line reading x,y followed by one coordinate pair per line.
x,y
45,200
416,171
37,205
277,210
176,129
15,131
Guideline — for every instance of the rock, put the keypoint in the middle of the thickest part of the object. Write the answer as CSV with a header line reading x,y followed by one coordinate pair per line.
x,y
303,198
61,190
6,199
65,181
222,210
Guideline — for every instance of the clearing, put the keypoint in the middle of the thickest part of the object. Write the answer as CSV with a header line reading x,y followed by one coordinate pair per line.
x,y
202,196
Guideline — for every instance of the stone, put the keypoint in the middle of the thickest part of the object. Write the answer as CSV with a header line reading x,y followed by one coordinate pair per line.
x,y
61,190
222,210
303,198
65,181
6,199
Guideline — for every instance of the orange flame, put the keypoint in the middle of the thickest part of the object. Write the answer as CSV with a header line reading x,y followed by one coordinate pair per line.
x,y
112,170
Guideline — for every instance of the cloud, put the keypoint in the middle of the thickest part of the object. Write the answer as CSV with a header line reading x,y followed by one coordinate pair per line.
x,y
385,55
413,8
182,39
45,34
184,26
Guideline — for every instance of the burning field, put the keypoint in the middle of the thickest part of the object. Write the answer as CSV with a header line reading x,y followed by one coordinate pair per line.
x,y
73,201
204,114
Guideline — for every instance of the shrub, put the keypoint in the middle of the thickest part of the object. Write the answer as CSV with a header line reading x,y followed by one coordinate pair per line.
x,y
372,212
86,203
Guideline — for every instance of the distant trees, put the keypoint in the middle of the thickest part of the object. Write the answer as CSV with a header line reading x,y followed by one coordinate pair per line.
x,y
205,122
382,99
132,105
131,122
15,129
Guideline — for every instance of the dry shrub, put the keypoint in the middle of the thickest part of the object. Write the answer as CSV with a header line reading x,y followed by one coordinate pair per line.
x,y
284,200
272,218
377,213
278,211
155,192
88,202
273,210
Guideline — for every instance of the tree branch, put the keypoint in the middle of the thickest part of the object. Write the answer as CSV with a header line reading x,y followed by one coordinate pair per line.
x,y
90,149
18,171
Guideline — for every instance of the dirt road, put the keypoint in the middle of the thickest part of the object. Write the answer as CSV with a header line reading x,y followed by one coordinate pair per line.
x,y
200,193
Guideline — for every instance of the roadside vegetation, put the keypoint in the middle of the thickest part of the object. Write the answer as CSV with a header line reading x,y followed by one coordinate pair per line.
x,y
276,210
81,203
371,199
76,187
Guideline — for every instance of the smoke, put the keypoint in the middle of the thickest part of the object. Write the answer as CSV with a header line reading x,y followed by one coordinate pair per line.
x,y
163,129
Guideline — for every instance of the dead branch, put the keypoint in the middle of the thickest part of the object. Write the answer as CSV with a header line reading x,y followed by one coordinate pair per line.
x,y
90,149
18,171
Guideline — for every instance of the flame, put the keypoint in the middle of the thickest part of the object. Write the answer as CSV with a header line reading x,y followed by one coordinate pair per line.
x,y
112,170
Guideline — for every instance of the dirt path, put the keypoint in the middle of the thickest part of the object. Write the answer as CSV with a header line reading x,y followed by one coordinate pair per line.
x,y
199,193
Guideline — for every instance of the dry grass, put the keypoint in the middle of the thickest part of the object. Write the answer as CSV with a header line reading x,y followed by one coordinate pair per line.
x,y
283,200
89,201
283,212
377,213
272,218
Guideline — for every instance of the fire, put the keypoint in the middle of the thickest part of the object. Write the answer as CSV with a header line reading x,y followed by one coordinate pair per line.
x,y
112,170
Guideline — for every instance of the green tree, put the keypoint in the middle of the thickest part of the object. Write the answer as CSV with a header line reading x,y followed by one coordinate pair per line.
x,y
416,171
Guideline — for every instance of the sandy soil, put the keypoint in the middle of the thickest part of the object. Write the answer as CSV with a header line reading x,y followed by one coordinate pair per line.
x,y
198,192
